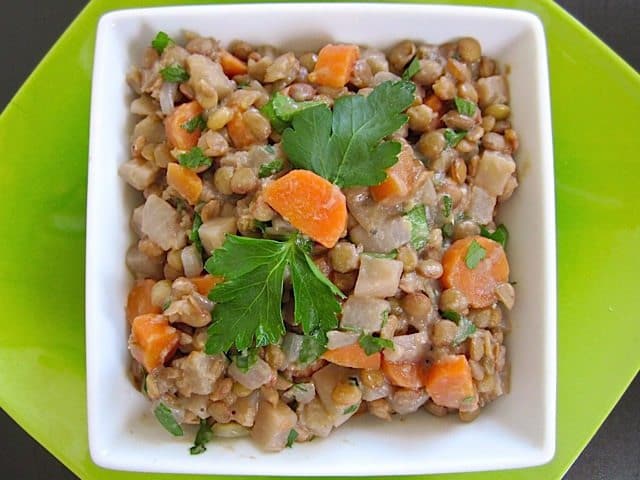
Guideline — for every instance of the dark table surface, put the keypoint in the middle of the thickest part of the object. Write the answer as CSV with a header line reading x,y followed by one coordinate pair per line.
x,y
30,27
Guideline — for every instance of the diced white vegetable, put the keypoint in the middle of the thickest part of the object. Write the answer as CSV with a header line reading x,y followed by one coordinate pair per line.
x,y
244,409
408,348
481,206
161,223
492,90
300,392
325,381
364,314
389,235
136,220
151,128
191,261
138,173
337,339
200,372
405,401
494,169
315,418
208,81
144,266
212,233
272,425
375,393
378,277
259,374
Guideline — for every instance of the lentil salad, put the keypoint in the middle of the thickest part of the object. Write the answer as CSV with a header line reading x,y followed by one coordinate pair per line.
x,y
317,237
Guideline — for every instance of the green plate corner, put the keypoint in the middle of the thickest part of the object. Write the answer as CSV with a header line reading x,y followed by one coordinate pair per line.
x,y
595,100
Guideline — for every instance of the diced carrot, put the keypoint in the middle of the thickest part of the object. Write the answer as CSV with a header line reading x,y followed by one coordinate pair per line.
x,y
448,381
352,356
139,300
478,284
153,341
185,181
434,103
403,374
311,204
205,283
232,65
239,132
177,135
334,65
401,178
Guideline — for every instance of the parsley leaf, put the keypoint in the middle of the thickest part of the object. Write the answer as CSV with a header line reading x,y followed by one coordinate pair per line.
x,y
246,359
447,205
174,74
194,234
466,328
447,230
412,69
417,217
167,420
160,42
202,438
248,308
269,168
371,344
196,123
194,158
451,315
452,137
465,107
281,108
262,226
351,409
291,438
344,145
500,235
475,253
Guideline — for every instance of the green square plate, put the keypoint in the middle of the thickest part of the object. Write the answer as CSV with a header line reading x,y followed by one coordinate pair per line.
x,y
43,140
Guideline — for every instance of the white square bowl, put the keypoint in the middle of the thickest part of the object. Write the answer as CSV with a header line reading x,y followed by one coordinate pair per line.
x,y
517,430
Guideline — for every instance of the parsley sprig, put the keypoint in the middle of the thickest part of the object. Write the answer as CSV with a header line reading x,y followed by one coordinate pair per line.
x,y
194,158
202,438
160,42
174,74
248,303
345,145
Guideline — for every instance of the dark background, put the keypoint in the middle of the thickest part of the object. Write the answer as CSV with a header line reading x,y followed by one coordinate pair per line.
x,y
31,28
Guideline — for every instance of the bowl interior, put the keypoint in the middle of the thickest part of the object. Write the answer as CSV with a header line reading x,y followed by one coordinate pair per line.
x,y
515,431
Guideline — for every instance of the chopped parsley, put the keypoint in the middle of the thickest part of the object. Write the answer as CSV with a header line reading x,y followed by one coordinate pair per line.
x,y
246,359
391,255
345,145
291,438
417,217
262,226
351,409
160,42
452,137
371,344
412,69
202,438
268,169
249,301
281,108
466,328
312,347
475,253
194,158
447,230
194,234
451,315
196,123
447,205
167,420
174,74
500,235
465,107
